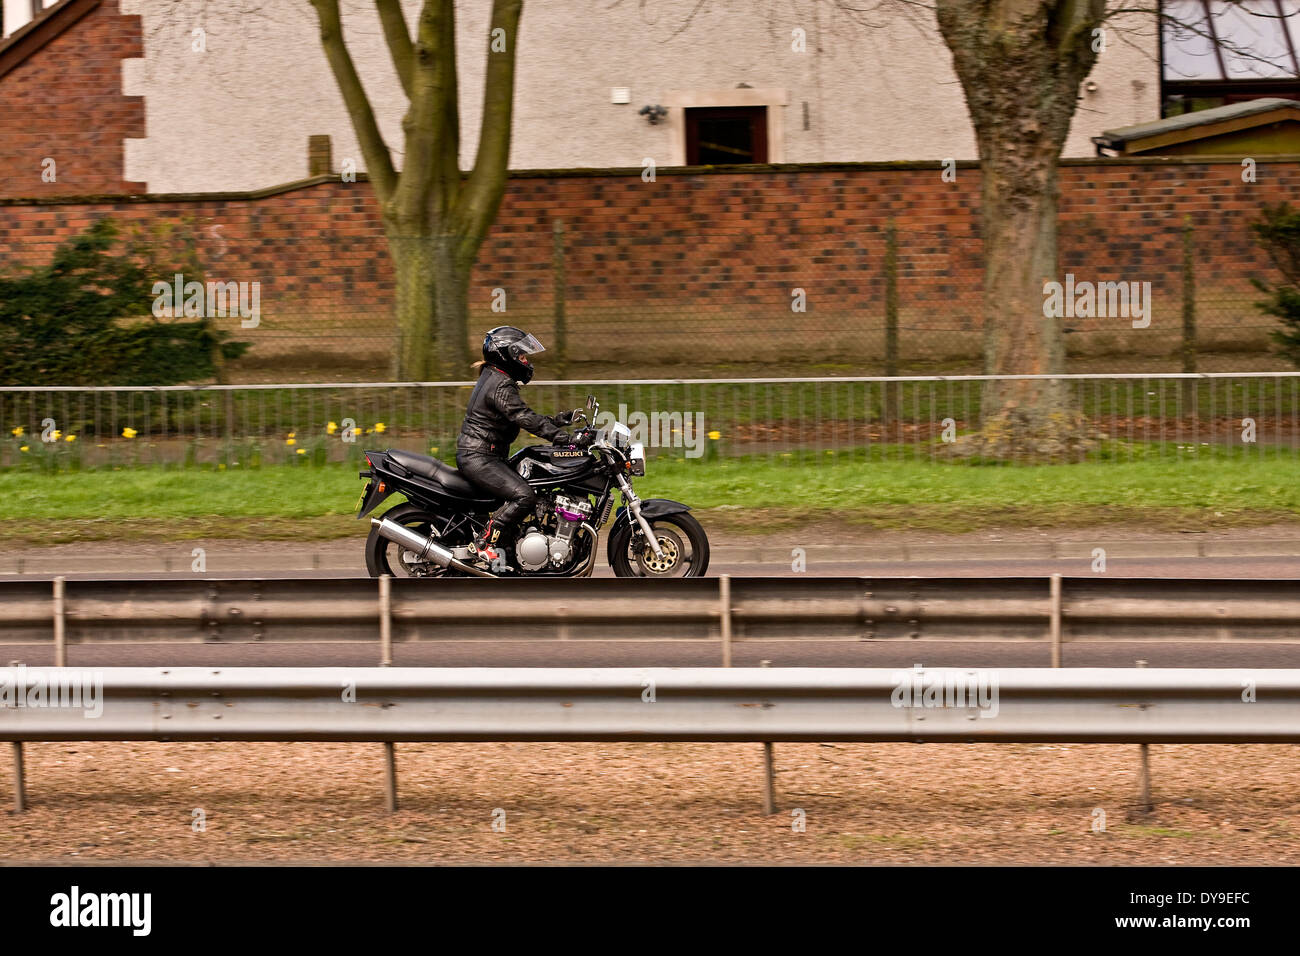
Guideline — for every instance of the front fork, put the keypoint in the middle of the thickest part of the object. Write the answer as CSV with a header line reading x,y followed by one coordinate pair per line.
x,y
634,506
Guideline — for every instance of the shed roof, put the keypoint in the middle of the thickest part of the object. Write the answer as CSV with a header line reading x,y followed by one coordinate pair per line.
x,y
1201,123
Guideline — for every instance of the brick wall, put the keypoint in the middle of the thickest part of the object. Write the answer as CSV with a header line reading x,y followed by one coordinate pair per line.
x,y
61,99
679,268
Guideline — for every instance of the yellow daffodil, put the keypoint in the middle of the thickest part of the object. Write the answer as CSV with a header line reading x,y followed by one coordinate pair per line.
x,y
71,438
56,435
17,432
715,435
129,433
331,428
24,448
302,451
290,441
379,427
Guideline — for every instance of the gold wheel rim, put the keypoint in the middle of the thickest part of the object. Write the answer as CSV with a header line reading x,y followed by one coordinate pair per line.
x,y
671,547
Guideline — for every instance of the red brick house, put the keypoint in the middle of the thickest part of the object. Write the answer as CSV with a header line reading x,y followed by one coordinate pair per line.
x,y
63,116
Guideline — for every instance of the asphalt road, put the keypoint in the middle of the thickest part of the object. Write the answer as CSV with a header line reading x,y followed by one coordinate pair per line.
x,y
1174,567
1248,566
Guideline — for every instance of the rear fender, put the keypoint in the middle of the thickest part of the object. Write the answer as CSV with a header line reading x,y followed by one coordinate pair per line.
x,y
380,486
373,496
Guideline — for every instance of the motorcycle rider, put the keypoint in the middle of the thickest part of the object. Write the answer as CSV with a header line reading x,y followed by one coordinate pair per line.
x,y
495,414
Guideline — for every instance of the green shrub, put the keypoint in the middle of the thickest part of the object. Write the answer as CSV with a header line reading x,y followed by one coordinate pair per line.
x,y
1278,232
86,318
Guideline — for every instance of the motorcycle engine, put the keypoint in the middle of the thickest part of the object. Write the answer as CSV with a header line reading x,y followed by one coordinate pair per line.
x,y
533,550
536,550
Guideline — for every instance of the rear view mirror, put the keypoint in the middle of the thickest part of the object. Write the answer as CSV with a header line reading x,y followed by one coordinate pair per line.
x,y
591,402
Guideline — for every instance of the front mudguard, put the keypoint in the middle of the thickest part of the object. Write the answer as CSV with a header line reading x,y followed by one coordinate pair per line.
x,y
651,508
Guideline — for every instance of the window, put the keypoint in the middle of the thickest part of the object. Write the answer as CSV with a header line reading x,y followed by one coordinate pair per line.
x,y
716,135
1215,52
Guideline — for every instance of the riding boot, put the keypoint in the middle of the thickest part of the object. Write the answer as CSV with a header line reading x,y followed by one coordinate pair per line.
x,y
481,546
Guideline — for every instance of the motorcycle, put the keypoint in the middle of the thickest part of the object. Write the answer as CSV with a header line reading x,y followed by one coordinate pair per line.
x,y
429,535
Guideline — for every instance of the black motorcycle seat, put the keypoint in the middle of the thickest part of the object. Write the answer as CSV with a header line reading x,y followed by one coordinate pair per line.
x,y
435,470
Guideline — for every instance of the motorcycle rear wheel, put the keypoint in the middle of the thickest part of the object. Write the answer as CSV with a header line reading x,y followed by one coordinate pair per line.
x,y
389,557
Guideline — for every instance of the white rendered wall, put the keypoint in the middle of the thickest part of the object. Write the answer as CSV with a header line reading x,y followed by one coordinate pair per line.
x,y
237,116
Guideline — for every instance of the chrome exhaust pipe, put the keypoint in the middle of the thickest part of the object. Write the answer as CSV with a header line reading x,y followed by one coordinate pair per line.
x,y
425,546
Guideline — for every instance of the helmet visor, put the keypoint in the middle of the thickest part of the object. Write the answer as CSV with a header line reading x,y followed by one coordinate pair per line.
x,y
528,345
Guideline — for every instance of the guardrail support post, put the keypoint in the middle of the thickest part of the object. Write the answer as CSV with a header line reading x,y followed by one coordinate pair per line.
x,y
769,773
1144,772
60,633
20,789
724,616
1055,590
385,620
386,660
390,777
60,660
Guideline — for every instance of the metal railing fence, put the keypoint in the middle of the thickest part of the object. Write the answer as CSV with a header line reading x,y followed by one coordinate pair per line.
x,y
800,420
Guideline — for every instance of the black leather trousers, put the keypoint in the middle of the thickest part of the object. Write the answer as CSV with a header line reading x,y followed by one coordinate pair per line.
x,y
495,476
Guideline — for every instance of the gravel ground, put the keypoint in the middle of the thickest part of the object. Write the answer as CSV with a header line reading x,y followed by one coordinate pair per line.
x,y
635,803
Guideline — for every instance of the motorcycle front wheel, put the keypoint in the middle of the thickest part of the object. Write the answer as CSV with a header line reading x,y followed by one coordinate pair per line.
x,y
684,544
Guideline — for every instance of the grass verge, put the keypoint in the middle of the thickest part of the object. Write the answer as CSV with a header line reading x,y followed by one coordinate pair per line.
x,y
736,495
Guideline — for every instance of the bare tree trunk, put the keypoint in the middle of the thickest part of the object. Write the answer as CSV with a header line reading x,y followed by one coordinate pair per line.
x,y
1020,63
1021,339
435,217
414,307
451,278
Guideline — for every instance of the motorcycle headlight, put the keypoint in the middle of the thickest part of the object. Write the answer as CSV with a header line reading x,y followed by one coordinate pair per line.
x,y
636,460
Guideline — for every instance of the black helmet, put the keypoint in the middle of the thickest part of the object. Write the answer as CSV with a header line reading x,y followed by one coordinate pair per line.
x,y
508,349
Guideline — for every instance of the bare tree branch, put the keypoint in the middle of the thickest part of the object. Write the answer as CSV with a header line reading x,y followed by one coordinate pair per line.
x,y
379,164
486,186
398,38
446,172
419,197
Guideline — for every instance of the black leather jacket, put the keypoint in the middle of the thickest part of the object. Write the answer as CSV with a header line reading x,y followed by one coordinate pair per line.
x,y
495,414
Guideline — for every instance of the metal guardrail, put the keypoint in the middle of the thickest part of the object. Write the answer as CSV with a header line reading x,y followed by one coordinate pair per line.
x,y
1024,705
1054,610
390,705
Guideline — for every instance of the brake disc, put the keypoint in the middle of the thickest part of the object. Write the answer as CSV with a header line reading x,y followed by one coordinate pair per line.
x,y
671,544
